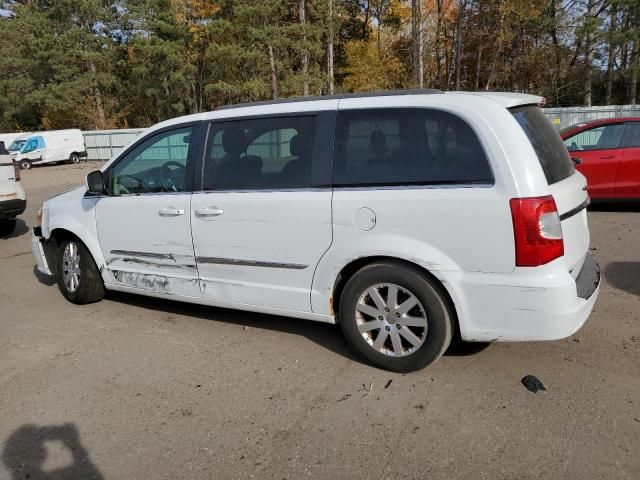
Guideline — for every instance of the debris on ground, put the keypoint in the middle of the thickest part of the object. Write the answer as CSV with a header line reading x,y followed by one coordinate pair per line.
x,y
344,398
532,383
388,383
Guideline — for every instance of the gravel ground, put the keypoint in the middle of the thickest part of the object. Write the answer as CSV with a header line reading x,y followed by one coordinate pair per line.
x,y
138,388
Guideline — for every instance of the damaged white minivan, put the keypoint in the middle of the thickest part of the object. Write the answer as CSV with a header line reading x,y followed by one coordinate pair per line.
x,y
403,216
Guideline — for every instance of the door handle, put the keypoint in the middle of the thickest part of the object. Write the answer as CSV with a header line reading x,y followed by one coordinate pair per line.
x,y
171,212
607,158
209,211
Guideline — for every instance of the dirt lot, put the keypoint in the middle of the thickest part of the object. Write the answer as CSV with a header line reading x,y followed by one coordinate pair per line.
x,y
136,388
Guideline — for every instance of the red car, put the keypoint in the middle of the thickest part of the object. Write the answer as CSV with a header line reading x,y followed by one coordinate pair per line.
x,y
607,152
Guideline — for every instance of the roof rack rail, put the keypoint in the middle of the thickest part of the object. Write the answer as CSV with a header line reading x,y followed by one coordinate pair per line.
x,y
377,93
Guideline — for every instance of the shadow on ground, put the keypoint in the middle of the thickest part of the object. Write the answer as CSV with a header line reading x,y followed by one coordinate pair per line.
x,y
326,335
615,206
20,229
624,276
48,453
47,280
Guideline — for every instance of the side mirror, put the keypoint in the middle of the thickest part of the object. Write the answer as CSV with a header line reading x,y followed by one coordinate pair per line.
x,y
95,183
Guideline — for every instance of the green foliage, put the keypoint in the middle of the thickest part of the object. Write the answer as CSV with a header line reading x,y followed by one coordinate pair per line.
x,y
118,63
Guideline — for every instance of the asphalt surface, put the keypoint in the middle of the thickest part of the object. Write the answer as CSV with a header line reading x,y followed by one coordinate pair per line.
x,y
137,388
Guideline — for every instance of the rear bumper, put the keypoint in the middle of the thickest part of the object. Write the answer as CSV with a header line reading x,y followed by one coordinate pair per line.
x,y
37,248
543,303
10,209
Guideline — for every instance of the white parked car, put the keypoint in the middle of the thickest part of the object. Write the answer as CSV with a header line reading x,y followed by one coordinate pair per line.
x,y
53,146
404,217
12,197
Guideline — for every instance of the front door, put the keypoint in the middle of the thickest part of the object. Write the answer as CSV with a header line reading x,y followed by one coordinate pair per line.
x,y
259,224
628,176
597,155
143,224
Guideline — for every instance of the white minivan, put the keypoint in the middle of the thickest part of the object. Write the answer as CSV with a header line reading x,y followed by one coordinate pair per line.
x,y
51,147
406,217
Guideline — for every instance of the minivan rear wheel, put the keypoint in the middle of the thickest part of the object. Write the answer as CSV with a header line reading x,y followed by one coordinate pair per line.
x,y
79,279
395,316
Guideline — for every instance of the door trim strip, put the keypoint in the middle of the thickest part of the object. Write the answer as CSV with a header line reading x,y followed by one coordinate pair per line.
x,y
250,263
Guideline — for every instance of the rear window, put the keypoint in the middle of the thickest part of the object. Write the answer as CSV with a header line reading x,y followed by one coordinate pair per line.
x,y
545,140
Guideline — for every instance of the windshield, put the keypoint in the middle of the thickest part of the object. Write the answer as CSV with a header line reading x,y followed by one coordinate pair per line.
x,y
29,146
545,140
16,145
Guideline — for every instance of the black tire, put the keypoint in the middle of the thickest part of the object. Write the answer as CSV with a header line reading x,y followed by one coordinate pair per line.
x,y
24,164
429,293
90,287
7,227
74,158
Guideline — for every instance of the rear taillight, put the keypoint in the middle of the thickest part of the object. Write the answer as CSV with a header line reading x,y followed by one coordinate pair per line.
x,y
16,169
537,230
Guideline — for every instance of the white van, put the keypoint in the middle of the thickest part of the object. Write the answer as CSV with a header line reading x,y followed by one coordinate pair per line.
x,y
53,146
404,217
10,140
12,197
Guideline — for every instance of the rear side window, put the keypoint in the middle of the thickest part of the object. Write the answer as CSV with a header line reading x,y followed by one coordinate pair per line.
x,y
258,154
598,138
631,136
407,147
545,140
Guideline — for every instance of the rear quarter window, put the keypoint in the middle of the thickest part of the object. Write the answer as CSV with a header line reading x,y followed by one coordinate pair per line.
x,y
399,146
552,154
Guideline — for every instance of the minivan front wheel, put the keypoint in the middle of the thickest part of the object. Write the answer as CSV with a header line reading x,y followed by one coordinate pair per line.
x,y
395,316
79,279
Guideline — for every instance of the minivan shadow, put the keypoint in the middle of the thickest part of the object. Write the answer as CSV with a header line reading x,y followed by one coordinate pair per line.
x,y
615,206
47,280
624,276
324,334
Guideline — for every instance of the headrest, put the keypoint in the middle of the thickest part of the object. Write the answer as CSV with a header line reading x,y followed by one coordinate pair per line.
x,y
378,142
234,140
297,145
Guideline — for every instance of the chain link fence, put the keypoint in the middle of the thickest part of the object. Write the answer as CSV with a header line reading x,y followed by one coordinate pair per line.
x,y
564,116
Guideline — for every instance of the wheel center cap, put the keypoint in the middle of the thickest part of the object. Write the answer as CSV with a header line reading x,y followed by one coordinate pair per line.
x,y
390,318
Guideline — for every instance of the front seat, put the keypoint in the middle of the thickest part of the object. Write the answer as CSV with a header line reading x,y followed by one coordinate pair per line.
x,y
237,170
296,172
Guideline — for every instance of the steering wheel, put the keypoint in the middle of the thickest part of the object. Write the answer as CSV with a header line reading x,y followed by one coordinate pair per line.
x,y
124,189
168,176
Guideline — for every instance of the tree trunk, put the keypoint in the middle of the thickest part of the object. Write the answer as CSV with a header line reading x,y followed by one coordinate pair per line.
x,y
611,52
274,73
416,43
633,61
305,55
462,4
438,35
97,95
588,53
330,48
476,84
